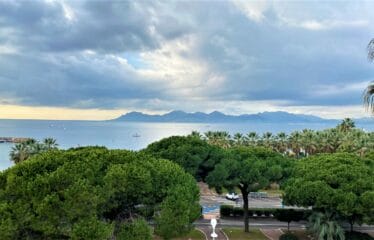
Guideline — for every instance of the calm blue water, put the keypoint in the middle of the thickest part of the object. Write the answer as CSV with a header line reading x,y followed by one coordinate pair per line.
x,y
120,134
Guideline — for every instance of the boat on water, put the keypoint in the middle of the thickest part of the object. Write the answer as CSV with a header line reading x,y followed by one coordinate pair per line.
x,y
136,135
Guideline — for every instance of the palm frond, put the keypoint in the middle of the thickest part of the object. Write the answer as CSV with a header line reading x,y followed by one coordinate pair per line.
x,y
370,49
368,97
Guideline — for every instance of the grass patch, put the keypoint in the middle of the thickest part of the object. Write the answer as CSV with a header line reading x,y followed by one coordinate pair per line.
x,y
193,235
239,234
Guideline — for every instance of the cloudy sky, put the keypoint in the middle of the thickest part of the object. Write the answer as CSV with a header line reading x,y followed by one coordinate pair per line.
x,y
98,59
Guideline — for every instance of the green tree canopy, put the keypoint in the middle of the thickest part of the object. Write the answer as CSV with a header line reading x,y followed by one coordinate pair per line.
x,y
249,169
196,156
340,183
92,193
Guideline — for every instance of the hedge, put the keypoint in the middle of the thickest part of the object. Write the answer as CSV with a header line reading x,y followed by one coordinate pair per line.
x,y
357,236
231,211
288,236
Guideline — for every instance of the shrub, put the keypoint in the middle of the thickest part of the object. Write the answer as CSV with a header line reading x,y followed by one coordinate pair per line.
x,y
267,213
357,236
250,213
226,210
258,212
136,230
288,236
238,212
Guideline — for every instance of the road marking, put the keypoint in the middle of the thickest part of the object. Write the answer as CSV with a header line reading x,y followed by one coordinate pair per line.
x,y
206,237
227,238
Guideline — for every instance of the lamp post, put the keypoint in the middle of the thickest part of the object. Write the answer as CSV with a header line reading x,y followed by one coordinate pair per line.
x,y
213,222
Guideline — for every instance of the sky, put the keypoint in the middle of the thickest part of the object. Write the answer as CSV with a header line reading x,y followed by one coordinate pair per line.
x,y
99,59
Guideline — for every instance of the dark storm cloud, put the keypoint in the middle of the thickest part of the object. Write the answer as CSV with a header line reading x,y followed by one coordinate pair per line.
x,y
72,53
69,81
272,61
96,25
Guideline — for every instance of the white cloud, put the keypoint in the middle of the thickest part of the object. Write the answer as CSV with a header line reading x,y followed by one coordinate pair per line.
x,y
179,70
254,10
326,24
7,49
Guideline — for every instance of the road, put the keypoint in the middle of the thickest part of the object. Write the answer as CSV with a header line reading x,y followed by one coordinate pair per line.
x,y
268,224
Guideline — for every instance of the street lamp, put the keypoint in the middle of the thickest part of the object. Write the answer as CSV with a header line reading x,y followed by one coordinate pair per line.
x,y
213,222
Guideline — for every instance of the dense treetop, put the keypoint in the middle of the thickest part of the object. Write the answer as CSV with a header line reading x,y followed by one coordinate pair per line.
x,y
341,183
249,169
196,156
94,193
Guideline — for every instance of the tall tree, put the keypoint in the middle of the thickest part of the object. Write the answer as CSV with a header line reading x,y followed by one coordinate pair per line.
x,y
249,169
337,183
196,156
95,193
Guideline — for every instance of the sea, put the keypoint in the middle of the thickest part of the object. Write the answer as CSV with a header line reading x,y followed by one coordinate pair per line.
x,y
128,135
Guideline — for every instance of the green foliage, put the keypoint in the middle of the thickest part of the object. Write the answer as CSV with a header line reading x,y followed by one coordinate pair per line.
x,y
345,137
238,212
91,229
24,150
289,215
288,236
249,169
137,229
357,236
226,210
195,155
176,216
341,183
325,226
84,193
285,215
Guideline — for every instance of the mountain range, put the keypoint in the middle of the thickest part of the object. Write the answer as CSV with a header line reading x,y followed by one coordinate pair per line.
x,y
218,117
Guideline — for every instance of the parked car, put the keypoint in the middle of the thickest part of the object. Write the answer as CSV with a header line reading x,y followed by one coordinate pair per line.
x,y
232,196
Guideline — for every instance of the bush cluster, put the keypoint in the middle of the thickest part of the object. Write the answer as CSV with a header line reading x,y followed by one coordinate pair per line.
x,y
231,211
288,236
357,236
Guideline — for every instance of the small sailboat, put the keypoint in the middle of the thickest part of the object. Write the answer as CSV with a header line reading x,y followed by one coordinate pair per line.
x,y
136,135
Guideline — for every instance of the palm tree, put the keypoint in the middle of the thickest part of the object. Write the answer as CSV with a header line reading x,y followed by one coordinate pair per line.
x,y
252,138
224,139
238,139
295,142
281,142
325,227
209,136
346,125
22,151
370,48
19,153
267,139
369,91
308,141
49,143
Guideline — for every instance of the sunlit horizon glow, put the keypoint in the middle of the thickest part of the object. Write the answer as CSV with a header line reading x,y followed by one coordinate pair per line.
x,y
59,113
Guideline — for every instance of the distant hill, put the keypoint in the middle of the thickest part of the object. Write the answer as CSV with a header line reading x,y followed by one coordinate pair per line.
x,y
218,117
